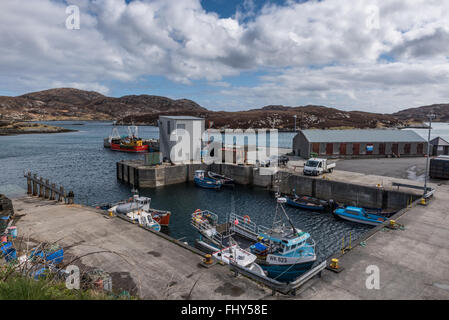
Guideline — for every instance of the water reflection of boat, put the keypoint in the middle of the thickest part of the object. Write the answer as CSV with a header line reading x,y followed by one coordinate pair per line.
x,y
283,252
141,204
359,215
203,181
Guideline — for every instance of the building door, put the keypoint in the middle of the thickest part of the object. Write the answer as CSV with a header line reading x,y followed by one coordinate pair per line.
x,y
395,149
446,150
356,149
407,148
382,149
342,149
316,148
329,149
420,148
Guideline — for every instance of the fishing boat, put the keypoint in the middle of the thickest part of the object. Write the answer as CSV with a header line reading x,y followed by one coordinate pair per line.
x,y
308,203
145,219
284,253
214,236
359,215
138,203
201,180
223,179
235,254
130,143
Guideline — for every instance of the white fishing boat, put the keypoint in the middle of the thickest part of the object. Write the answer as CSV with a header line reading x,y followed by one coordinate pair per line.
x,y
238,256
136,204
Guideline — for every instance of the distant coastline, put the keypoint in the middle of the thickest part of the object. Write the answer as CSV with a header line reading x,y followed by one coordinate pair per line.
x,y
17,128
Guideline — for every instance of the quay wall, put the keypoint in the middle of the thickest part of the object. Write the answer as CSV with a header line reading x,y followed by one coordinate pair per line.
x,y
140,176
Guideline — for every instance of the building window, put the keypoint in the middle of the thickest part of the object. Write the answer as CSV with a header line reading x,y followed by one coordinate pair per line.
x,y
181,126
168,127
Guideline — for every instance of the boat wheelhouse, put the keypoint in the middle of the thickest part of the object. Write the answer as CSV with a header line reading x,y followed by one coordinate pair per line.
x,y
138,204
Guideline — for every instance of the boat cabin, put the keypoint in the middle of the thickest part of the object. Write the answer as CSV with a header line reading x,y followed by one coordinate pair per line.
x,y
142,201
286,245
356,211
200,174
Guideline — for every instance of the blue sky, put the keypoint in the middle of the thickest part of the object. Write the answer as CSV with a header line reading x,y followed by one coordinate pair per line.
x,y
368,55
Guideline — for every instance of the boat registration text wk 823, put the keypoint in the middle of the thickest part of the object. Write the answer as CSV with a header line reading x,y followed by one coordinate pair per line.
x,y
279,260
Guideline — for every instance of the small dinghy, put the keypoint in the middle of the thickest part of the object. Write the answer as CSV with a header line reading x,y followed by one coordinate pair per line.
x,y
201,180
307,203
359,215
223,179
145,219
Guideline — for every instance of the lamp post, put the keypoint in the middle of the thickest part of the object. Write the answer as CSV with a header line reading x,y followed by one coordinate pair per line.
x,y
295,121
431,116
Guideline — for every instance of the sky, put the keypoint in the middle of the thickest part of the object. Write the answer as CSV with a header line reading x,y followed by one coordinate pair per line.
x,y
369,55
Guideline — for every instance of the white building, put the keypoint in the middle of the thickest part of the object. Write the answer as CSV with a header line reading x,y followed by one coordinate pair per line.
x,y
180,138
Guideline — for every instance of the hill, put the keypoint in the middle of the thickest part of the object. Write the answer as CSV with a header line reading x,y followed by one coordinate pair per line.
x,y
441,111
74,104
281,117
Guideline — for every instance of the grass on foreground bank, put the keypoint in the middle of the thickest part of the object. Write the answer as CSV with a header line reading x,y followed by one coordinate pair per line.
x,y
16,285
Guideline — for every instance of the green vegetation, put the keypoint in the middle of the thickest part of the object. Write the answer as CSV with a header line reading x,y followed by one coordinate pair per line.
x,y
18,286
25,288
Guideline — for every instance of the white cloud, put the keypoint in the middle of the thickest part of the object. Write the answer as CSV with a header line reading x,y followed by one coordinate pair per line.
x,y
324,52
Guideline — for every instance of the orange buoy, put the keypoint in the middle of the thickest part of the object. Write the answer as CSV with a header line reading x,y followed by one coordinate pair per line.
x,y
247,219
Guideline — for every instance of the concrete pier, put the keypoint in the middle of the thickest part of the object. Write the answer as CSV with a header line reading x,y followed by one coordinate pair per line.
x,y
342,186
155,267
412,263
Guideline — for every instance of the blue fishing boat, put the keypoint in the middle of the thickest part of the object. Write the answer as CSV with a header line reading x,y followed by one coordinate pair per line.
x,y
284,252
201,180
360,215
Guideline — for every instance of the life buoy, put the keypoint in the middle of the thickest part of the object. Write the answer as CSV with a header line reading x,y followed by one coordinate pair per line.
x,y
247,219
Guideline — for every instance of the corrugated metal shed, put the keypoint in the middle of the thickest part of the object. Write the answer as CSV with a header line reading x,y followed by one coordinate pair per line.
x,y
368,135
439,142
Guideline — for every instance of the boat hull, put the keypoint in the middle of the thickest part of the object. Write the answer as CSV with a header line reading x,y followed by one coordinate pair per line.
x,y
287,272
295,204
119,147
162,219
359,220
207,184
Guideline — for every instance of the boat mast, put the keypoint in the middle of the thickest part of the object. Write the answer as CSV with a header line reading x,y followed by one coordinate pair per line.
x,y
279,204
